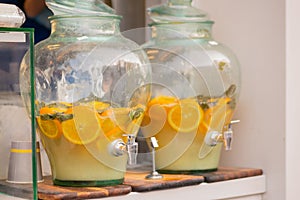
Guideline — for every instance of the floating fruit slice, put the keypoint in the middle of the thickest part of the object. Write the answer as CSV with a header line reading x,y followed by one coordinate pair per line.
x,y
203,127
119,115
127,119
58,107
185,117
157,112
50,128
158,107
166,102
51,110
106,124
163,100
84,127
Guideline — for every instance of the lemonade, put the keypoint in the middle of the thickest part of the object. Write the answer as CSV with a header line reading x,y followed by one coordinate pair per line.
x,y
76,138
180,126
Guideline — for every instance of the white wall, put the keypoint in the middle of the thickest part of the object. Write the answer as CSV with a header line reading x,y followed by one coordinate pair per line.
x,y
293,99
255,31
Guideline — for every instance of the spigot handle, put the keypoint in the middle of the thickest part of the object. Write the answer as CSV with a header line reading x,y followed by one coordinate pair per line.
x,y
234,122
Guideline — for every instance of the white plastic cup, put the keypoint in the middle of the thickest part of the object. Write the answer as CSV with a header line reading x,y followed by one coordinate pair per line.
x,y
20,162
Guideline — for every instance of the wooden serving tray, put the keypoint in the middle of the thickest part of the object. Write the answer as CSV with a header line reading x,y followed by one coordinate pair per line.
x,y
139,184
46,190
229,173
133,182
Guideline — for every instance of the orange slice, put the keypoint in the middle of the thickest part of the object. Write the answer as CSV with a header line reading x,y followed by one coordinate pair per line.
x,y
106,124
203,127
84,127
163,100
159,106
120,116
185,117
50,128
59,108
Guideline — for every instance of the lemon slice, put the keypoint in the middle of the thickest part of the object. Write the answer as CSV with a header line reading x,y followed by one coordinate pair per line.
x,y
84,127
185,117
50,128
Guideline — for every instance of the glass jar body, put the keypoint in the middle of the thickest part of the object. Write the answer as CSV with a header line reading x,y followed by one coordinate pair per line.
x,y
196,83
89,81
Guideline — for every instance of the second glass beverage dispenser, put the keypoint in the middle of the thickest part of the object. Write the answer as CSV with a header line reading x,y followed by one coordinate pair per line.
x,y
195,87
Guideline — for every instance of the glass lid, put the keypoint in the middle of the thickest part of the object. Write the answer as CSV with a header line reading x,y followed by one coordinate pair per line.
x,y
177,11
60,7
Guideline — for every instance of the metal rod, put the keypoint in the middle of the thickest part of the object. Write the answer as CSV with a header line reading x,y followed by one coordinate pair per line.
x,y
153,160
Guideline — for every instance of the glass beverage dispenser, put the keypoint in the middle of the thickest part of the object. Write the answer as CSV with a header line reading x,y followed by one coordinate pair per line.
x,y
195,87
91,92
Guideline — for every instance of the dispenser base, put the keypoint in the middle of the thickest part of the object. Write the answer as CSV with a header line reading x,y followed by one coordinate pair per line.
x,y
88,183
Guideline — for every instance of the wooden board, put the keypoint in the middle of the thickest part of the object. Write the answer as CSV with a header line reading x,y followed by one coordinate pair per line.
x,y
133,182
139,184
229,173
46,190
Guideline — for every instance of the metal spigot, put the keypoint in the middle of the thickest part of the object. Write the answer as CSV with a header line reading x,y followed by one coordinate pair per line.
x,y
132,149
118,148
212,138
228,135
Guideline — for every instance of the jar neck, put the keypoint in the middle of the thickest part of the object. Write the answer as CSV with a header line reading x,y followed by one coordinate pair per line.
x,y
79,26
180,2
197,30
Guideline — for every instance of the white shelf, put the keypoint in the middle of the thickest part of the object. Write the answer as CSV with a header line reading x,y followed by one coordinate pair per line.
x,y
250,188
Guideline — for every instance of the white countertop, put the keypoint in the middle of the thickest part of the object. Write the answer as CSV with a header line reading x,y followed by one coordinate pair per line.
x,y
250,188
